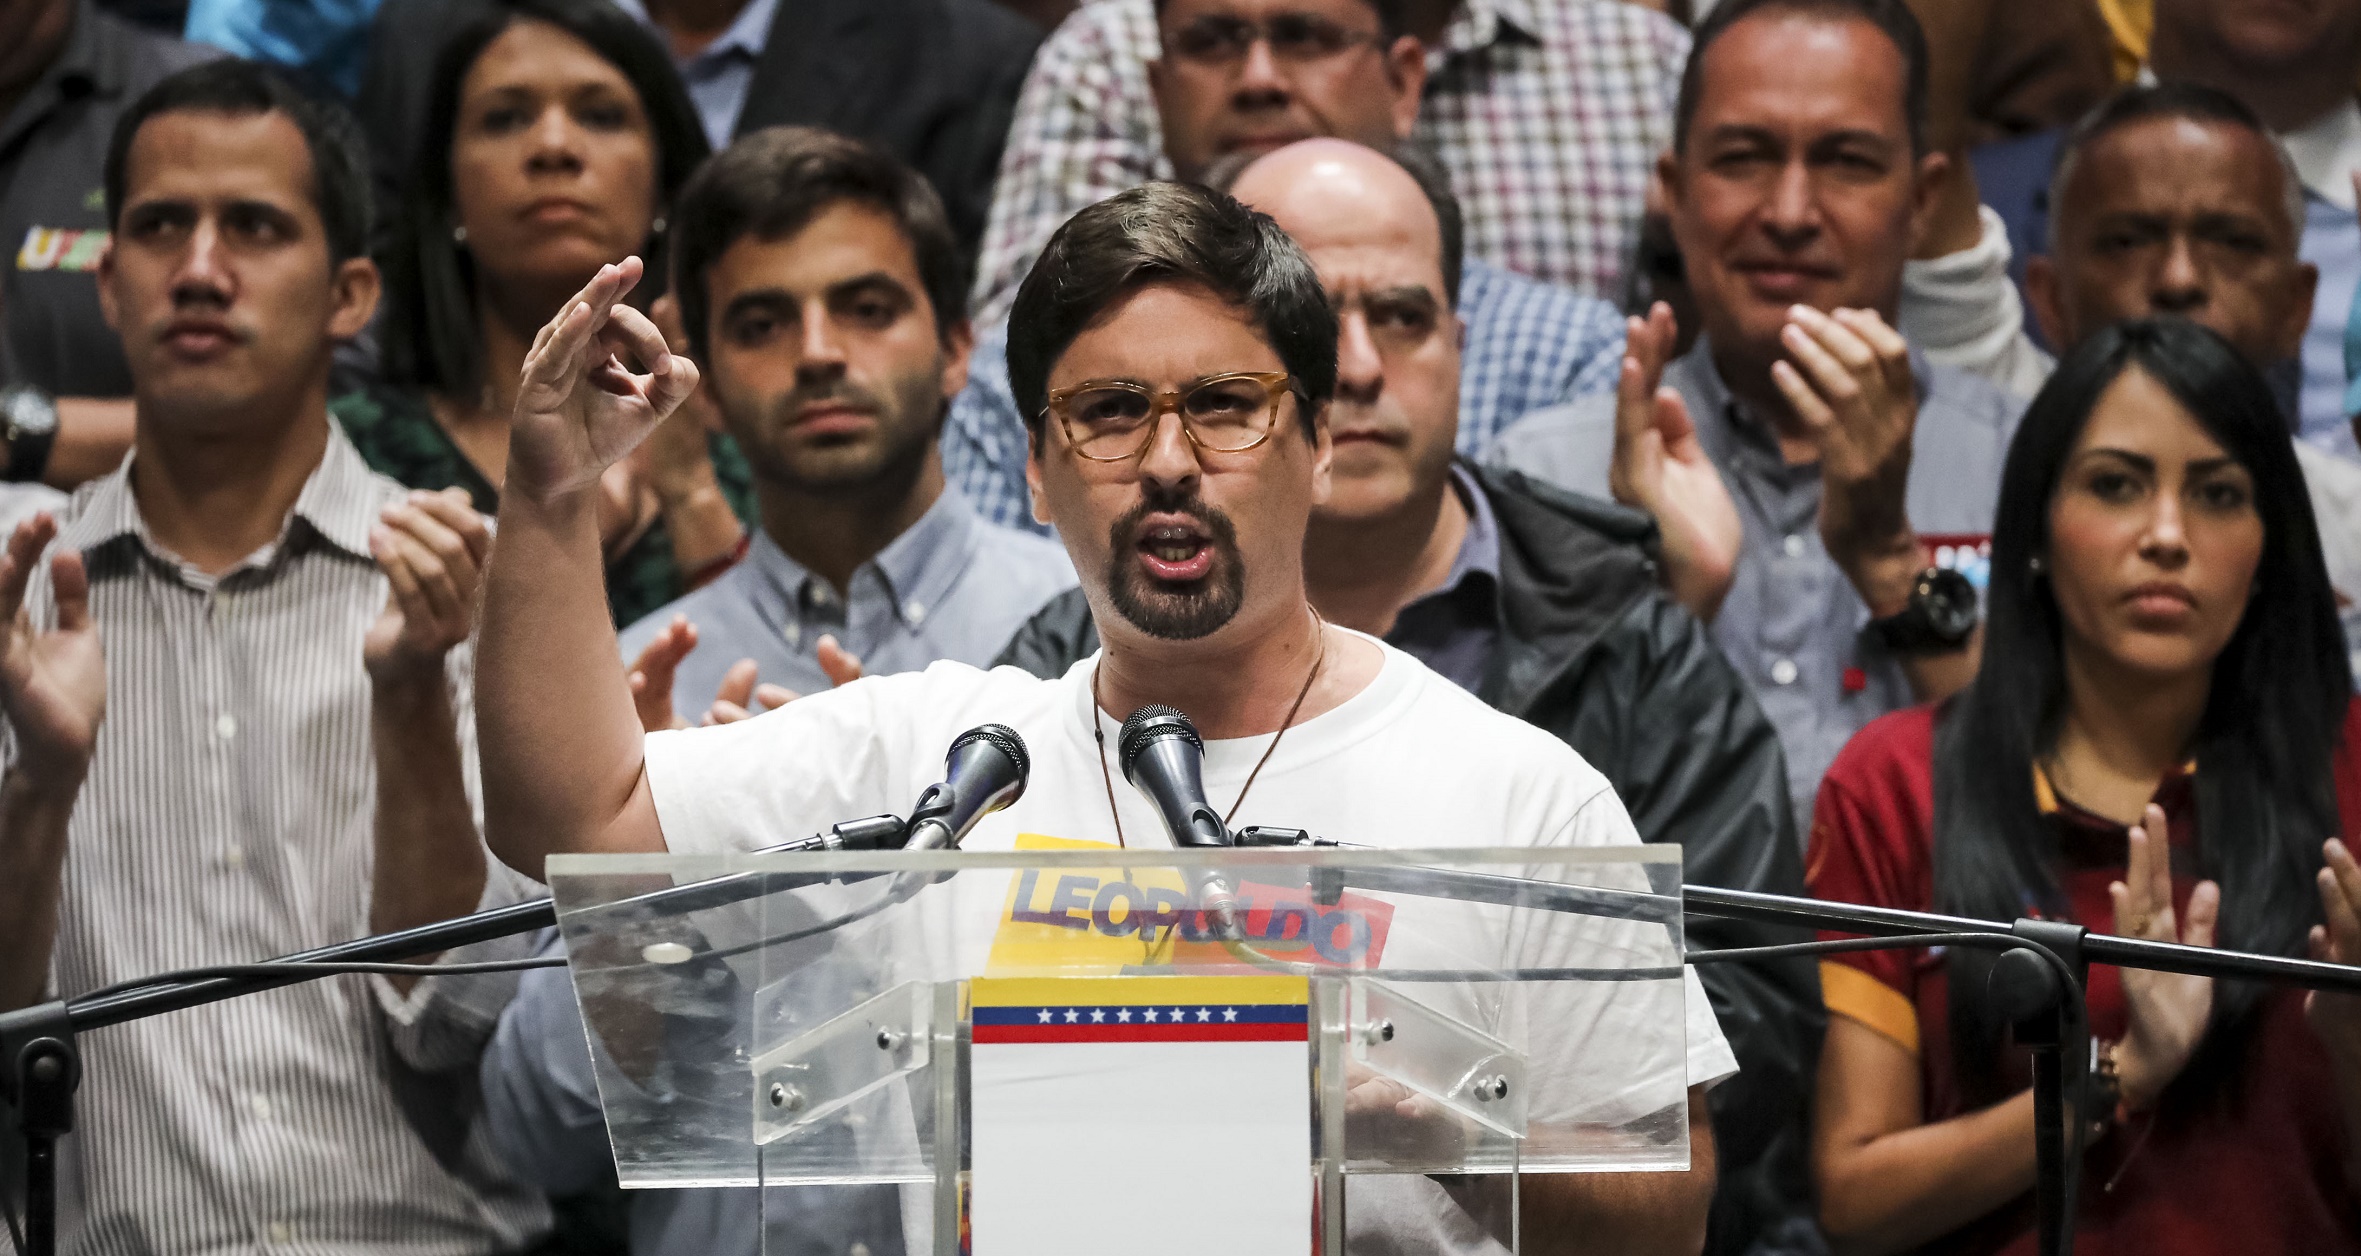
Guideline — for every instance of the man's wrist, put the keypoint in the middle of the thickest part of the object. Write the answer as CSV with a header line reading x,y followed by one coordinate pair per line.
x,y
409,680
675,493
45,782
1883,572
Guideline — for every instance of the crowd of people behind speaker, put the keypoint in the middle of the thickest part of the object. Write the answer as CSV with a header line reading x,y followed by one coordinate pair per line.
x,y
1735,543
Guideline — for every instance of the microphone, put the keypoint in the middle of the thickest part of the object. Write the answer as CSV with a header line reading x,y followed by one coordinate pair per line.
x,y
985,771
1163,757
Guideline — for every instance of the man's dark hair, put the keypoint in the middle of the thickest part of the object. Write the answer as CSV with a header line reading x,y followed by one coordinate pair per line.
x,y
339,152
1389,17
1890,16
431,339
2139,103
1424,169
1172,233
772,183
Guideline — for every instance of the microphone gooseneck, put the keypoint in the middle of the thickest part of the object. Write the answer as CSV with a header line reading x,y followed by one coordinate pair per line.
x,y
985,770
1164,758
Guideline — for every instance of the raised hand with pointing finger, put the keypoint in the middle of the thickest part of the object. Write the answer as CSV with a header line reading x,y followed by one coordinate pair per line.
x,y
581,407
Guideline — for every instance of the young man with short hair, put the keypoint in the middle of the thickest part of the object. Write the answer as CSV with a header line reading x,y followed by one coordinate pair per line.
x,y
1546,606
826,293
236,700
1189,538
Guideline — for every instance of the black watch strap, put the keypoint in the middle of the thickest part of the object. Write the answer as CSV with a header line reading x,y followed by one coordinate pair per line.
x,y
1941,615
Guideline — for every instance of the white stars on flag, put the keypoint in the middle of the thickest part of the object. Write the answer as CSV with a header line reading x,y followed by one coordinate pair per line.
x,y
1229,1014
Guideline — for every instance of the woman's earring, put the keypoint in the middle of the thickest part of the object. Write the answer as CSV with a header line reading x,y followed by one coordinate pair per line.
x,y
656,227
2035,565
459,236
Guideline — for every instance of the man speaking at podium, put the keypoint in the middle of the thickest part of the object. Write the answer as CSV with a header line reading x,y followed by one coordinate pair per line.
x,y
1176,353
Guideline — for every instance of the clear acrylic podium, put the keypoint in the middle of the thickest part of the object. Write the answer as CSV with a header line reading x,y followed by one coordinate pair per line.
x,y
998,1052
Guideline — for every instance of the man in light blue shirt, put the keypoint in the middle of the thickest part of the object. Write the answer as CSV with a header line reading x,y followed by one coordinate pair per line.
x,y
821,293
824,298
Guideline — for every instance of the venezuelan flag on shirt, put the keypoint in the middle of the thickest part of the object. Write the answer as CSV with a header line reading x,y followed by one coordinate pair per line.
x,y
1172,1111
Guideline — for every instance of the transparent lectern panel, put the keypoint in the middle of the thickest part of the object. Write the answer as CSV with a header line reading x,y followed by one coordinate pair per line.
x,y
923,1030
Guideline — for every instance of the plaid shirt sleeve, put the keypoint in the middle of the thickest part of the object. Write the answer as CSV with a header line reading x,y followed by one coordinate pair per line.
x,y
1085,129
1529,345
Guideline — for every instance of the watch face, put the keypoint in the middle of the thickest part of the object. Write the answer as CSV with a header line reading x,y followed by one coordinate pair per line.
x,y
1949,599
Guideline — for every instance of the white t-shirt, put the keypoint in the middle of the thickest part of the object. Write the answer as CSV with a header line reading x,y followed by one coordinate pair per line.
x,y
1410,761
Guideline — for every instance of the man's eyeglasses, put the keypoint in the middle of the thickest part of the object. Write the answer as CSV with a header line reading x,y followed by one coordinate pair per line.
x,y
1293,37
1113,420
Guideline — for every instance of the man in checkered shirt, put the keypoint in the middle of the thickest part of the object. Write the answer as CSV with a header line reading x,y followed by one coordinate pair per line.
x,y
1547,112
1113,100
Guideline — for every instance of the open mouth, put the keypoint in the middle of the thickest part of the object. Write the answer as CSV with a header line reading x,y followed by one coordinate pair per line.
x,y
1176,553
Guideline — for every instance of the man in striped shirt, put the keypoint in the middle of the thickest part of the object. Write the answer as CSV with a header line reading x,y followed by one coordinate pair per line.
x,y
237,723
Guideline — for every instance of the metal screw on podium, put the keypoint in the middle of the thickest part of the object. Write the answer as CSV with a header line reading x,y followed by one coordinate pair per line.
x,y
786,1098
888,1039
1381,1031
1489,1088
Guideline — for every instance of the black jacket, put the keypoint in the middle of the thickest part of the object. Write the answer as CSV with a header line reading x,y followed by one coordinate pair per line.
x,y
1592,650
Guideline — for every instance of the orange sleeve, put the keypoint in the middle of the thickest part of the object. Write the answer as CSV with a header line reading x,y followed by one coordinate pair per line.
x,y
1869,846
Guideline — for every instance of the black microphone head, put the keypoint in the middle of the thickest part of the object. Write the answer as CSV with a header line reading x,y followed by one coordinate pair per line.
x,y
1001,738
1147,726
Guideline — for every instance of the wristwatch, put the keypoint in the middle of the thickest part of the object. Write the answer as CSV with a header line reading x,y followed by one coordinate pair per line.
x,y
28,426
1940,618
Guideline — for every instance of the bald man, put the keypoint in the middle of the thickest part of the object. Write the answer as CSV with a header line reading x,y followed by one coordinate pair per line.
x,y
1545,605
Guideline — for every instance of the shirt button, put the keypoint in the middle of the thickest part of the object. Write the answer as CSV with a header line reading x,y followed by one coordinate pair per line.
x,y
1783,672
260,1105
1794,545
233,857
225,726
281,1232
916,612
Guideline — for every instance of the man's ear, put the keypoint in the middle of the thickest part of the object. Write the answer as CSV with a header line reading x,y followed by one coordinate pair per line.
x,y
1041,511
1931,180
2303,289
1665,189
106,285
959,344
1405,68
357,286
1323,456
2046,303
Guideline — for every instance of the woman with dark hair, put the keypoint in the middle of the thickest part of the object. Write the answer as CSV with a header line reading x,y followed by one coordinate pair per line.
x,y
2160,744
557,134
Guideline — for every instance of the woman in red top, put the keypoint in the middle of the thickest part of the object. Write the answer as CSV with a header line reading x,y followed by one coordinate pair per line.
x,y
2160,743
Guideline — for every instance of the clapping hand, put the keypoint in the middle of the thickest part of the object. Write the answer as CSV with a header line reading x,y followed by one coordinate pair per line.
x,y
2337,1017
1661,468
580,408
53,685
432,548
741,698
1850,383
740,694
2168,1012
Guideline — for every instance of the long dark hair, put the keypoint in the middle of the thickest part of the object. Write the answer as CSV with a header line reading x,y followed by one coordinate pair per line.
x,y
2272,716
431,337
